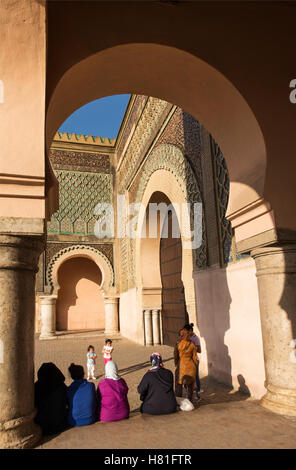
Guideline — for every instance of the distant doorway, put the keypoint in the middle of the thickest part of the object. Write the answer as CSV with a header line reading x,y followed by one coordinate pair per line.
x,y
80,304
174,313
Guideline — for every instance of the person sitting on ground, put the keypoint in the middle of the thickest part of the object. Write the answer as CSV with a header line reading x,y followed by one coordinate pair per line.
x,y
185,361
51,399
112,392
81,397
156,389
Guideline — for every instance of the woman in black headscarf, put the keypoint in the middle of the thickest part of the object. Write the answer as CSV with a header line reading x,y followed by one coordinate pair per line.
x,y
156,389
51,399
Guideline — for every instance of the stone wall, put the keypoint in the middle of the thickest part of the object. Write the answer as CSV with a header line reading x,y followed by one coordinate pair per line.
x,y
228,317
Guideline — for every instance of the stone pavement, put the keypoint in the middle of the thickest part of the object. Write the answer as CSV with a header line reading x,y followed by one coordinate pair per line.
x,y
222,419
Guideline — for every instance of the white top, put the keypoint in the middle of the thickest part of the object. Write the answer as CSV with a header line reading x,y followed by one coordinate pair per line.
x,y
107,351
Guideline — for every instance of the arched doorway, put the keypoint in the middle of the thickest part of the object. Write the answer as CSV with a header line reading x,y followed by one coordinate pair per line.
x,y
173,305
80,303
162,267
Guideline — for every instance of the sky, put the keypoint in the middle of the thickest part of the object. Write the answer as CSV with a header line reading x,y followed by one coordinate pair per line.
x,y
100,117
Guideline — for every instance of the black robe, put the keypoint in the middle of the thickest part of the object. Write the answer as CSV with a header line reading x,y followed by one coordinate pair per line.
x,y
51,399
157,392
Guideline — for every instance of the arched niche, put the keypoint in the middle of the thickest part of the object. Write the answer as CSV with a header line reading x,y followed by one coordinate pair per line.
x,y
99,258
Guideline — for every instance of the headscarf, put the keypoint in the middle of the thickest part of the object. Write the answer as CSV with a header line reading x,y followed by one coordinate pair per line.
x,y
156,361
111,371
49,378
50,374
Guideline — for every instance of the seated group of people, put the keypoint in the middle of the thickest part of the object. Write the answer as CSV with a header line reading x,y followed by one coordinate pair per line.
x,y
80,404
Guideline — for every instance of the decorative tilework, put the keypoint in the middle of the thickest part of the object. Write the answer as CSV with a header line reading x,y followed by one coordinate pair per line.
x,y
79,193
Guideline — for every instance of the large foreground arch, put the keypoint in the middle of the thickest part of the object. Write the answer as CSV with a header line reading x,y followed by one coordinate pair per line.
x,y
258,65
197,87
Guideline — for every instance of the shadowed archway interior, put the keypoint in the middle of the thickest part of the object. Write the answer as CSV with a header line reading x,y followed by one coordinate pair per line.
x,y
80,304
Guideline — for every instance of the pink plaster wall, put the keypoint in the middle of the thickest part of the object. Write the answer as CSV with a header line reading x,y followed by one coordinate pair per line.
x,y
131,316
22,108
80,303
229,325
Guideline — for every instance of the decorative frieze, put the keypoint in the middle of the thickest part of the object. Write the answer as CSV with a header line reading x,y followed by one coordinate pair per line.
x,y
54,247
80,161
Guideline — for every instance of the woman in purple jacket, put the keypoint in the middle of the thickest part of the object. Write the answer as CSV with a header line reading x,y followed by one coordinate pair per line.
x,y
112,395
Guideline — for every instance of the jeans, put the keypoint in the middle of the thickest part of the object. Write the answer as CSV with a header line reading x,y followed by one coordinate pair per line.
x,y
197,378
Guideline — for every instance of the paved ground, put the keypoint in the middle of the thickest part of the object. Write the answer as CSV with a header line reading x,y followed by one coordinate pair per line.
x,y
223,418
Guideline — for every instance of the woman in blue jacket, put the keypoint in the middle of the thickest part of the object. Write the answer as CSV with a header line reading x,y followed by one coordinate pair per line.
x,y
81,398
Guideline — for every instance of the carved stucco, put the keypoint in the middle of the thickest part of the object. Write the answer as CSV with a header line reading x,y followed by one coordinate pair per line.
x,y
170,158
80,250
147,123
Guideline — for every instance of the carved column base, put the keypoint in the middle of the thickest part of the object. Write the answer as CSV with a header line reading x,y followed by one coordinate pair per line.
x,y
20,433
280,400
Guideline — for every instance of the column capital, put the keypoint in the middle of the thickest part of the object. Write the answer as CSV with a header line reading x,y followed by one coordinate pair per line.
x,y
47,299
21,252
275,259
111,300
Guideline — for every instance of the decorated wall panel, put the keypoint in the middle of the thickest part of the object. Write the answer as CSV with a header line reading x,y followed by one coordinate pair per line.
x,y
79,193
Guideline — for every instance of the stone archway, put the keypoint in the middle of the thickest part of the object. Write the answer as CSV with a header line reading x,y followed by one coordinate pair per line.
x,y
140,65
48,302
171,180
245,152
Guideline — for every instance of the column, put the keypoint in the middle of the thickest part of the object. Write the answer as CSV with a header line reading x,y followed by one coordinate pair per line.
x,y
18,265
48,316
111,315
276,276
155,326
160,326
148,327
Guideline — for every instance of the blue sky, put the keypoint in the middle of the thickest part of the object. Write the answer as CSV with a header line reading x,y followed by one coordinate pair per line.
x,y
100,117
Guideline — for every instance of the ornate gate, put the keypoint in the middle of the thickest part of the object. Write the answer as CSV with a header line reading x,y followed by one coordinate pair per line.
x,y
174,314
